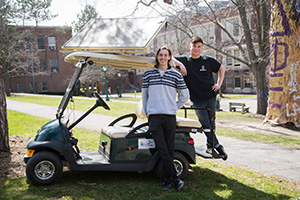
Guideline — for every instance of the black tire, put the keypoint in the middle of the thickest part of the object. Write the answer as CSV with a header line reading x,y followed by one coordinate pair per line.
x,y
44,168
181,166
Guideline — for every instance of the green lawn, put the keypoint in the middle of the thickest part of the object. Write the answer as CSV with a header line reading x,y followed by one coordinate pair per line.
x,y
209,179
119,108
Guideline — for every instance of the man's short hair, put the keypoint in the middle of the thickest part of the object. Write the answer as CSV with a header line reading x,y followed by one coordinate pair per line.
x,y
196,39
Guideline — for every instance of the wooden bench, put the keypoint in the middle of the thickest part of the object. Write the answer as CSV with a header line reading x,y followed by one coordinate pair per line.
x,y
234,105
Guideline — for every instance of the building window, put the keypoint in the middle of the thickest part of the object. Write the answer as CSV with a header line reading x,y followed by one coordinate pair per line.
x,y
52,43
54,65
237,82
44,87
21,87
229,83
211,33
236,28
28,45
228,27
228,59
31,87
41,42
43,66
31,66
236,53
233,28
247,82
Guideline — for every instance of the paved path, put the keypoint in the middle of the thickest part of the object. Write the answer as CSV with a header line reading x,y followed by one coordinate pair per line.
x,y
264,158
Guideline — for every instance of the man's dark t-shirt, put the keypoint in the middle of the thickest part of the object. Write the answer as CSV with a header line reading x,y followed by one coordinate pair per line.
x,y
199,79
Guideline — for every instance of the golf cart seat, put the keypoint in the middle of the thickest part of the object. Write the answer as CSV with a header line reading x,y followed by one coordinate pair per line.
x,y
185,122
122,131
116,132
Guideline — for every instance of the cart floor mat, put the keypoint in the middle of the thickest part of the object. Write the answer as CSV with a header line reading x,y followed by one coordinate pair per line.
x,y
91,158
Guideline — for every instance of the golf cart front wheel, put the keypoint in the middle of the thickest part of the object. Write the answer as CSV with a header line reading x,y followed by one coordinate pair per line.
x,y
180,163
44,168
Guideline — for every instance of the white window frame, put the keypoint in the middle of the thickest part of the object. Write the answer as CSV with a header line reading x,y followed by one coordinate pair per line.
x,y
52,43
237,77
38,45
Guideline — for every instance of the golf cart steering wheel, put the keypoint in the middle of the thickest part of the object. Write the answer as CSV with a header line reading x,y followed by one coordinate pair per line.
x,y
101,101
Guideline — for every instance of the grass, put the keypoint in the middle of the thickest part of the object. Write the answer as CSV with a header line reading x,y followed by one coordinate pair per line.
x,y
16,126
119,108
209,179
281,140
213,180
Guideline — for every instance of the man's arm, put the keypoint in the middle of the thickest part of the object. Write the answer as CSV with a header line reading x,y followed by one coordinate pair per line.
x,y
181,66
221,74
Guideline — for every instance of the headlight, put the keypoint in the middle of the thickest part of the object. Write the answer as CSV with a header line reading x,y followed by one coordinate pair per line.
x,y
29,152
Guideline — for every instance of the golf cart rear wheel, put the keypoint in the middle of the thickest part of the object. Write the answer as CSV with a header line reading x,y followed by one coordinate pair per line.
x,y
180,163
44,168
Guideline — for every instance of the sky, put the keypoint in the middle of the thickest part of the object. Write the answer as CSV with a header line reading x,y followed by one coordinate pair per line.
x,y
67,10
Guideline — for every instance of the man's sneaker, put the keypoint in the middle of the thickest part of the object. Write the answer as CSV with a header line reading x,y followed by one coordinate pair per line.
x,y
178,184
166,185
222,152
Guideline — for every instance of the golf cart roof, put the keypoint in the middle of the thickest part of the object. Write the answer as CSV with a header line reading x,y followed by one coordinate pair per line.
x,y
118,61
116,35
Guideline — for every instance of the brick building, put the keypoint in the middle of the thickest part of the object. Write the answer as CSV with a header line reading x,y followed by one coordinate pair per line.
x,y
48,70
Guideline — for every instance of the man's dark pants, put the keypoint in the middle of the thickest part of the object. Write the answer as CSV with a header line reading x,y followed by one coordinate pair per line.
x,y
207,118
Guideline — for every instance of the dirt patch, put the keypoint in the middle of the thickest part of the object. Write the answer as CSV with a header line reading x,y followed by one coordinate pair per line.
x,y
254,126
12,164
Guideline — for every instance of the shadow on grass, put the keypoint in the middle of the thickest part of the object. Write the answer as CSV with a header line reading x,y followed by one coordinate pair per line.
x,y
201,183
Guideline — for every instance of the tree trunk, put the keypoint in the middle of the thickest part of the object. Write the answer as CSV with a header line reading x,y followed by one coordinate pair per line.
x,y
261,89
284,100
6,81
4,139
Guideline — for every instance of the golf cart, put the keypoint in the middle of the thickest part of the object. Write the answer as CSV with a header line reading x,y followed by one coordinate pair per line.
x,y
128,147
122,148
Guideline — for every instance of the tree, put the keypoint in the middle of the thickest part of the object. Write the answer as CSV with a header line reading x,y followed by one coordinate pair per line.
x,y
284,104
37,10
186,14
89,12
94,76
5,9
10,54
4,142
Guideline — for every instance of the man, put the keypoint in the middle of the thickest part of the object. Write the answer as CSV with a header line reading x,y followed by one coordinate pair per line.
x,y
198,72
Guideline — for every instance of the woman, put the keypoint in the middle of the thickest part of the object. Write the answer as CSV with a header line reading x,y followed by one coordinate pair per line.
x,y
160,86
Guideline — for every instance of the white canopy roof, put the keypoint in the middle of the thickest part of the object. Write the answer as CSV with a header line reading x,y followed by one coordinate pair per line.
x,y
116,35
